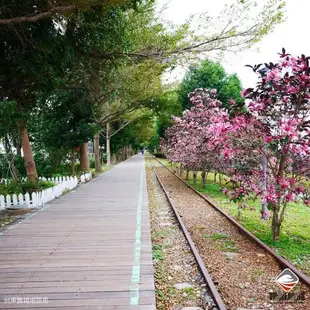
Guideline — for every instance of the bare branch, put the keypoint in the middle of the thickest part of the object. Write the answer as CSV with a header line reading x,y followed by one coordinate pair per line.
x,y
34,18
121,127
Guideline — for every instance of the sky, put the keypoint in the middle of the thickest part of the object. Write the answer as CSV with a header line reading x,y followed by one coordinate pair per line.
x,y
291,34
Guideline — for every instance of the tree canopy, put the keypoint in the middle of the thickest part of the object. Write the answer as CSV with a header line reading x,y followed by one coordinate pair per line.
x,y
210,74
74,66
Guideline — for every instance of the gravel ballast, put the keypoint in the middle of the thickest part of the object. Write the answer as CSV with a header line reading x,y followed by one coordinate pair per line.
x,y
178,282
244,272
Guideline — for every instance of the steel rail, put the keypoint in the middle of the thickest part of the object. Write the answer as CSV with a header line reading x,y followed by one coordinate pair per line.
x,y
213,290
283,262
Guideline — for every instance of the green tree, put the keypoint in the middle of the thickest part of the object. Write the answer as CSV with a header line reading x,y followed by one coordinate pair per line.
x,y
137,134
209,74
165,105
17,12
42,42
8,134
127,88
64,121
31,58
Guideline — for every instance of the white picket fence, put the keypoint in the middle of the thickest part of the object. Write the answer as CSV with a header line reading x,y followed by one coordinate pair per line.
x,y
38,199
85,177
82,179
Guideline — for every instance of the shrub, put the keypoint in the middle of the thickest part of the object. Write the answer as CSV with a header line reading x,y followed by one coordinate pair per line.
x,y
9,189
24,187
45,184
92,162
159,155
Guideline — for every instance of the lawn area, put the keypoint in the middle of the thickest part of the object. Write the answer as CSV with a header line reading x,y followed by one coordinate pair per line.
x,y
103,167
294,243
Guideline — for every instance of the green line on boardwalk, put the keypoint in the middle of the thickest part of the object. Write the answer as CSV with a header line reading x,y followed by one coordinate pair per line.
x,y
135,273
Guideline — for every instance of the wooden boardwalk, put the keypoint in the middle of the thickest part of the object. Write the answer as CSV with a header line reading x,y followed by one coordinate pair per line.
x,y
90,249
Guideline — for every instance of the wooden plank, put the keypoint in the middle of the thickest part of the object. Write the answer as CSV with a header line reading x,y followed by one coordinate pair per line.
x,y
112,304
79,287
79,251
47,307
77,282
97,269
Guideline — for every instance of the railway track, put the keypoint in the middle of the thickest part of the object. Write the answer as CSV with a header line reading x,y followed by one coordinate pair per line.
x,y
217,291
217,300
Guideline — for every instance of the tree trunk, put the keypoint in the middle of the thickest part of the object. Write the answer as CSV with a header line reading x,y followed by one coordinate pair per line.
x,y
181,170
17,145
277,218
194,177
95,87
239,210
215,174
187,174
14,172
73,161
18,149
264,187
97,152
221,178
129,151
108,146
276,223
203,177
84,160
30,166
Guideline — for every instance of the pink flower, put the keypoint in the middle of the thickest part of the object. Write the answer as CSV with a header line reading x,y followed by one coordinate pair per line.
x,y
243,92
227,153
299,190
270,198
292,89
284,184
273,75
267,139
290,197
291,181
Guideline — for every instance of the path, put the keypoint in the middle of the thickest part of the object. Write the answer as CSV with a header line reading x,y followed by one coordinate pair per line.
x,y
83,251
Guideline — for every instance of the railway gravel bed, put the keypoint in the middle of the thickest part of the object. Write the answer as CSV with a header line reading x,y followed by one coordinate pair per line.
x,y
179,284
244,272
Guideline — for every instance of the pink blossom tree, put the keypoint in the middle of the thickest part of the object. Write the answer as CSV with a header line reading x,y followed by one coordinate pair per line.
x,y
187,139
276,129
281,103
265,149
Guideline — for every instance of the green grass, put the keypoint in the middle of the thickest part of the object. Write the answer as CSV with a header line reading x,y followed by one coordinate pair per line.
x,y
217,236
160,234
103,167
5,219
294,243
223,242
158,253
